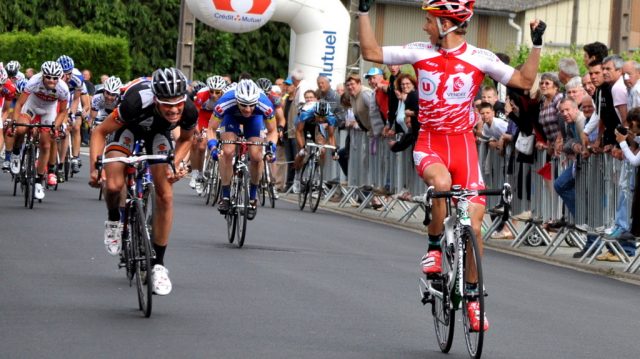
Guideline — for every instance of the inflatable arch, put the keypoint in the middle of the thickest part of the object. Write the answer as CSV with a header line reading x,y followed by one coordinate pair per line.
x,y
319,29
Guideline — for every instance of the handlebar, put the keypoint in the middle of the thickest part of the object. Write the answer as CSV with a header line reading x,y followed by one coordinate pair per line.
x,y
313,144
457,191
243,142
33,125
131,160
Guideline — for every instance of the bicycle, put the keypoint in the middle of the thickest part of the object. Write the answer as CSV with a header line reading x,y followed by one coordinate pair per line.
x,y
446,291
211,175
28,173
238,212
311,177
267,187
137,232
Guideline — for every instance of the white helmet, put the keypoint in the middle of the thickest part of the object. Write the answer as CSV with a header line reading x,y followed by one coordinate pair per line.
x,y
247,92
216,83
113,85
12,68
51,68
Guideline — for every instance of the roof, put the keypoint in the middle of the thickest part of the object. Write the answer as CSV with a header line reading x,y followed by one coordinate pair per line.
x,y
492,5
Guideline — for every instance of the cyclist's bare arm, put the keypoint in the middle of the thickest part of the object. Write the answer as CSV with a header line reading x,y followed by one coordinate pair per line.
x,y
331,136
526,76
76,101
85,100
272,130
214,122
280,119
62,113
300,135
369,47
92,116
18,107
183,145
99,134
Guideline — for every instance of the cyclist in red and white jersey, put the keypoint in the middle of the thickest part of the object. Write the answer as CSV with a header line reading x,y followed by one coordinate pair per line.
x,y
45,100
450,72
205,101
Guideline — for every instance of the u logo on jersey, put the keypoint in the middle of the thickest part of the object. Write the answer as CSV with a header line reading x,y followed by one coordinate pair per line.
x,y
257,8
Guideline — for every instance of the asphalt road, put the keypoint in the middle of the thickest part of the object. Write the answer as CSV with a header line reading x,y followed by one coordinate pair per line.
x,y
305,285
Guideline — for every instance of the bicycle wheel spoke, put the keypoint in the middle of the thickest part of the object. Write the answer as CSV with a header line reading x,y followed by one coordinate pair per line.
x,y
472,259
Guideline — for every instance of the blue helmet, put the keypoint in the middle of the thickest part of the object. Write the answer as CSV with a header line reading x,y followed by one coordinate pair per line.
x,y
20,85
66,62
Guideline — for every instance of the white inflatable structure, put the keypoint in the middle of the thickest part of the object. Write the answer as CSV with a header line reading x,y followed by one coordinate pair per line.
x,y
319,29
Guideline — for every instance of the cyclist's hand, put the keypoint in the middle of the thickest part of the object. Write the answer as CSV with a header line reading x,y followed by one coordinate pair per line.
x,y
272,147
537,30
94,178
271,157
364,5
336,156
212,145
180,172
8,129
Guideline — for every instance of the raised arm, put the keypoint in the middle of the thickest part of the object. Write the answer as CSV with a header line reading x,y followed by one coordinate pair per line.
x,y
526,76
369,47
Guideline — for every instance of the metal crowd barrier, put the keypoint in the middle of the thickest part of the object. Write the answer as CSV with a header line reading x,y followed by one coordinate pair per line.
x,y
378,175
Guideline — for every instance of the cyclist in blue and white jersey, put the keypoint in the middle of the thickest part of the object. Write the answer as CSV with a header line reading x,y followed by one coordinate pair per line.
x,y
313,116
80,103
249,107
45,100
105,100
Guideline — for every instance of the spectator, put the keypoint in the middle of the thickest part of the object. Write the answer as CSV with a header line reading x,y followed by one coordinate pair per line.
x,y
633,156
28,73
364,106
103,78
493,127
392,94
325,92
631,77
628,153
407,104
490,95
288,138
301,85
568,69
565,184
500,88
588,110
91,88
612,72
280,83
379,85
574,89
549,117
595,51
349,123
597,80
340,89
588,86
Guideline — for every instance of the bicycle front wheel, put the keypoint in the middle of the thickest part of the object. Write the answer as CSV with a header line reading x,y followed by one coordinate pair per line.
x,y
473,262
141,243
232,215
263,185
215,183
306,173
315,187
242,207
32,173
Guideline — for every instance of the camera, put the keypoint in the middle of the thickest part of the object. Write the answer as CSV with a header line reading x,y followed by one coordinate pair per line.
x,y
622,130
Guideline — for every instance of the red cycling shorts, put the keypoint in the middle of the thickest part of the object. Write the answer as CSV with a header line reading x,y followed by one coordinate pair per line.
x,y
456,152
203,119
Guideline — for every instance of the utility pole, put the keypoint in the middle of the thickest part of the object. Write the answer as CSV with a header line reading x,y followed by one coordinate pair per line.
x,y
185,53
574,22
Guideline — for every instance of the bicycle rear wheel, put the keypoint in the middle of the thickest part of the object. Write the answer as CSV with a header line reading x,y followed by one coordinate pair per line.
x,y
232,216
474,339
207,171
32,173
216,186
444,315
263,185
141,243
149,202
315,187
304,179
242,207
67,165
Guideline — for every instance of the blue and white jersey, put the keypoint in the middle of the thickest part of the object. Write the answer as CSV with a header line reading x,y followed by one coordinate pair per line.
x,y
227,108
307,115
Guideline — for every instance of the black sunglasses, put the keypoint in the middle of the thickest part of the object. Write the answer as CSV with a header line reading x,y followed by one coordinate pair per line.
x,y
51,77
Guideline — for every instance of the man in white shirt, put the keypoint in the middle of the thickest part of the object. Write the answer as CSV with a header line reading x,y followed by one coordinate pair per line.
x,y
612,72
631,78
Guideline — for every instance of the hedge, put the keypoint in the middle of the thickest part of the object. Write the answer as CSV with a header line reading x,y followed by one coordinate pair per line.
x,y
98,52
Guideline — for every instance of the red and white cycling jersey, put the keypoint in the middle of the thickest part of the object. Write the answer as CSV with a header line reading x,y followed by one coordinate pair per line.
x,y
448,81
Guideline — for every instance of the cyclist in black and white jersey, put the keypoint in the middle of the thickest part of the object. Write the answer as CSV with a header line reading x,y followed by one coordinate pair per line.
x,y
149,111
105,100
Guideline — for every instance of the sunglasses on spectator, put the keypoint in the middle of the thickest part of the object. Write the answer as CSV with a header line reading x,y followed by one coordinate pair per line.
x,y
55,78
172,103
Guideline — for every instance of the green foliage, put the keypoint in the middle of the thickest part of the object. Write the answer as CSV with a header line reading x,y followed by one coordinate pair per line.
x,y
549,59
108,54
151,28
